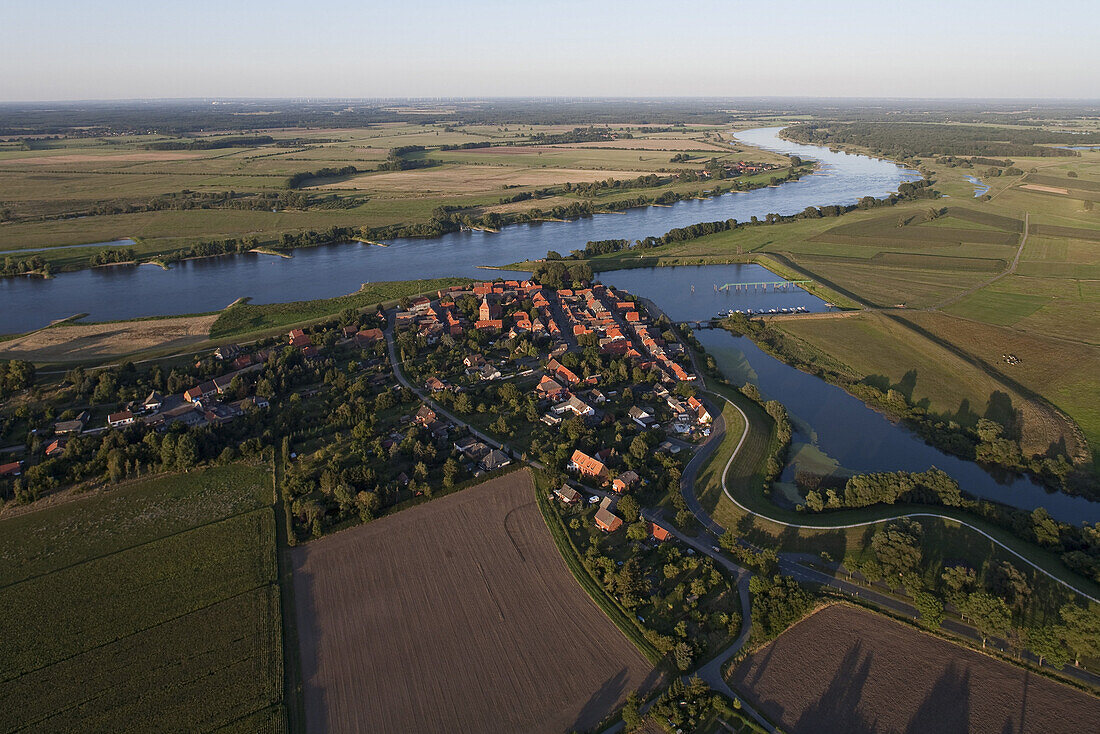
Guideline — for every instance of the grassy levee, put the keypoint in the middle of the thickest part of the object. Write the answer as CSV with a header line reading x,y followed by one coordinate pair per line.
x,y
780,523
247,318
571,556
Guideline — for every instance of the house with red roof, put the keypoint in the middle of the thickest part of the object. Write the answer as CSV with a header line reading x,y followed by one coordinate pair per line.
x,y
588,466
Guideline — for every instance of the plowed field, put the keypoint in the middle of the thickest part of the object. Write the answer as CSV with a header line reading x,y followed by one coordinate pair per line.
x,y
455,616
848,671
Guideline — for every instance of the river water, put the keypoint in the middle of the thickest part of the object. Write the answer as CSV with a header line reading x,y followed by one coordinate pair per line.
x,y
833,428
833,431
209,284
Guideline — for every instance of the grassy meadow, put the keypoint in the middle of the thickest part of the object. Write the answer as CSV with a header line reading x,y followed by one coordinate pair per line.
x,y
153,606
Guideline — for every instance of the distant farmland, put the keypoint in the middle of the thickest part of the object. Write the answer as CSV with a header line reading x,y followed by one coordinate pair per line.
x,y
457,615
848,671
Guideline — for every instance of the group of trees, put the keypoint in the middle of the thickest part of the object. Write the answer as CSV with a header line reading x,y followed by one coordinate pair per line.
x,y
591,134
15,375
113,255
398,159
557,274
32,264
777,602
296,180
997,600
928,487
910,139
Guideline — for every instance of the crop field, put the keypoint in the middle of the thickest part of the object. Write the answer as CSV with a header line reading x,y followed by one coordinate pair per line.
x,y
158,611
850,671
457,615
465,179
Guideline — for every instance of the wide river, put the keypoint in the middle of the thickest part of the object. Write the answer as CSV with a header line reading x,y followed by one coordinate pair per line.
x,y
833,428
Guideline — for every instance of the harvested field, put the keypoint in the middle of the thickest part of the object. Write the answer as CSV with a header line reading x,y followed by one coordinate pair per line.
x,y
849,671
470,179
1045,189
97,341
457,615
152,155
669,144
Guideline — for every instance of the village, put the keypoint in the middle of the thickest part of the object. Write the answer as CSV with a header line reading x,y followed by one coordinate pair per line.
x,y
584,362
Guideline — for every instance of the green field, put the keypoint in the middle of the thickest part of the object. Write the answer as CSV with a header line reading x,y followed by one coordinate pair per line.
x,y
150,607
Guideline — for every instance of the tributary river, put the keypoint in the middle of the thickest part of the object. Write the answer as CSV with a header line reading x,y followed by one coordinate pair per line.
x,y
833,428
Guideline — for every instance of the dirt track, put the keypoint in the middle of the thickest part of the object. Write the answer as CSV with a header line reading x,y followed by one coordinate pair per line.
x,y
95,341
848,671
455,616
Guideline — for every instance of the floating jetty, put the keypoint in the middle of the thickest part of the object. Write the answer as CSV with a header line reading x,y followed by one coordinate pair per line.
x,y
764,285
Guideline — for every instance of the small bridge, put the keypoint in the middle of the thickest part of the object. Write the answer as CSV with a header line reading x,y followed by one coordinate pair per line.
x,y
775,285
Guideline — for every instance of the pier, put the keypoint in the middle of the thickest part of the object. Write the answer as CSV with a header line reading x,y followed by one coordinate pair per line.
x,y
774,285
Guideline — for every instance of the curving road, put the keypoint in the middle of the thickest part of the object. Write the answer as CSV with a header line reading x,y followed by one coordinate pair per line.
x,y
807,526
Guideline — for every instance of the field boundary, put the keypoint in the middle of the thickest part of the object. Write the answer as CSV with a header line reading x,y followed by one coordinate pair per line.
x,y
571,557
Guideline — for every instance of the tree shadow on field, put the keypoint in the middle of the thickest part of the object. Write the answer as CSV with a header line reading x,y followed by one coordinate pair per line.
x,y
600,703
879,382
965,415
906,384
837,710
946,708
1001,410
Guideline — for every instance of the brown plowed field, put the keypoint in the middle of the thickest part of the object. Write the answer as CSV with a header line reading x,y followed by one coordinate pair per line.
x,y
848,671
455,616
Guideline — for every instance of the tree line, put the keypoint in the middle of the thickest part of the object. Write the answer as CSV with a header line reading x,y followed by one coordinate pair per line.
x,y
251,141
907,139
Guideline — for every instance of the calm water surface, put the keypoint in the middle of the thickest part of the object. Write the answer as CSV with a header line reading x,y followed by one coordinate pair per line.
x,y
832,429
321,272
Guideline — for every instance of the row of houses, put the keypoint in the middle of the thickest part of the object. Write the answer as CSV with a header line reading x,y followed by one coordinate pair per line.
x,y
622,329
605,517
594,469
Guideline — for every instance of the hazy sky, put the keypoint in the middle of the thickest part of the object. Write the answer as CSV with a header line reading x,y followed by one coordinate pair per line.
x,y
105,49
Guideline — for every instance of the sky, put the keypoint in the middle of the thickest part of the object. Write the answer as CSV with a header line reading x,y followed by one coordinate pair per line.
x,y
121,49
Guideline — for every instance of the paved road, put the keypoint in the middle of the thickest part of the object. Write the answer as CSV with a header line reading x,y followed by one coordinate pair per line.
x,y
711,671
808,526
